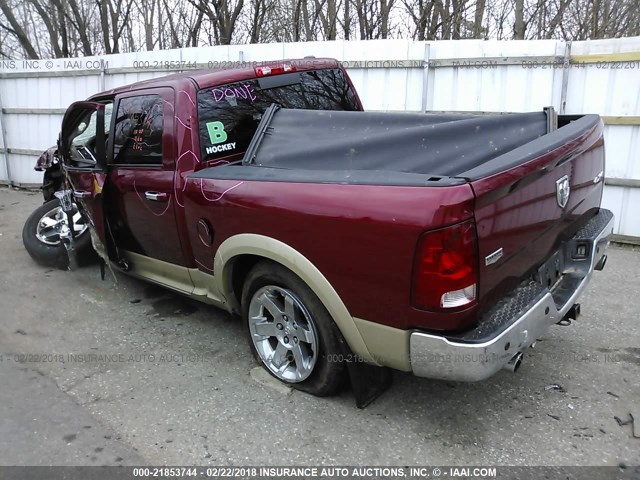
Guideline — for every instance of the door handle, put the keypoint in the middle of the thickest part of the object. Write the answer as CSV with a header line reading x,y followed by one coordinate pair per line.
x,y
156,196
81,194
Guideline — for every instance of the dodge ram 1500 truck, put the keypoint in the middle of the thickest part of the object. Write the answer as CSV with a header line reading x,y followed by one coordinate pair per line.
x,y
442,245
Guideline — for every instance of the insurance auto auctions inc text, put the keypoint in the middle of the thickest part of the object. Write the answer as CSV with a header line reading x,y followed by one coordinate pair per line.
x,y
374,472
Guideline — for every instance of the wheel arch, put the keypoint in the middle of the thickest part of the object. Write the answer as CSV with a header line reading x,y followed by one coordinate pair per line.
x,y
238,254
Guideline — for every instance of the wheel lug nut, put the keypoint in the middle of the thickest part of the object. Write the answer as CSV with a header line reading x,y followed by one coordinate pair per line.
x,y
286,339
295,339
285,318
279,326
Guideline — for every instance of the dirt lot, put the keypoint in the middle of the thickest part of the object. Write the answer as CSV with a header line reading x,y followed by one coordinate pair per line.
x,y
172,382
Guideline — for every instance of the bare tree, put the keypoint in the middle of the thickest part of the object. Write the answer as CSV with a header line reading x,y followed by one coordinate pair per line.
x,y
114,18
146,14
327,13
223,17
68,28
478,29
518,26
15,28
80,19
259,15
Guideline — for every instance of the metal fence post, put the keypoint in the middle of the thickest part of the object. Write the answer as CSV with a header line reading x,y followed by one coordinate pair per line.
x,y
103,72
3,132
566,64
425,77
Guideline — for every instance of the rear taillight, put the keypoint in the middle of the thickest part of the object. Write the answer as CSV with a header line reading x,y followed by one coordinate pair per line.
x,y
266,71
445,272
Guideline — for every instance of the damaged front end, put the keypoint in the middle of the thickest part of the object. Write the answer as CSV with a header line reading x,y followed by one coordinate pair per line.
x,y
66,233
49,163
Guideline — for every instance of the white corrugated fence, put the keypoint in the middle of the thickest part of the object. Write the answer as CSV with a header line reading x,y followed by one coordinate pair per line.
x,y
601,76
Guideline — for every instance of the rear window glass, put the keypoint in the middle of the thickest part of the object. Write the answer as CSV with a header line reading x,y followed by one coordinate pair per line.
x,y
229,114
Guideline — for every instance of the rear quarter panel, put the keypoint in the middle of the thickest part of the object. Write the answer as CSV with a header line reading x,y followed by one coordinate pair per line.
x,y
362,238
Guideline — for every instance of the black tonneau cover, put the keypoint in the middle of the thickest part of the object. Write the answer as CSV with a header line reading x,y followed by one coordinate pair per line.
x,y
427,144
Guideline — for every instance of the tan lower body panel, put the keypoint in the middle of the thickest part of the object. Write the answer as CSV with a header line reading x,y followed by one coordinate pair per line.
x,y
388,346
187,281
378,344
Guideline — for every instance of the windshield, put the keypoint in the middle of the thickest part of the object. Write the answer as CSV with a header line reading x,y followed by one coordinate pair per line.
x,y
86,129
229,114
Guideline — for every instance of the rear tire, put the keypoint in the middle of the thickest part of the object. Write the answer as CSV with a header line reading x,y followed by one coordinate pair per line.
x,y
39,236
290,332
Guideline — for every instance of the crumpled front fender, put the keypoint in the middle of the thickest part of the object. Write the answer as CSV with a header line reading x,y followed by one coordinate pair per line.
x,y
45,160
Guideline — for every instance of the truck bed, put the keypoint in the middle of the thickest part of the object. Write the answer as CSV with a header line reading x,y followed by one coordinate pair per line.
x,y
425,144
502,172
375,148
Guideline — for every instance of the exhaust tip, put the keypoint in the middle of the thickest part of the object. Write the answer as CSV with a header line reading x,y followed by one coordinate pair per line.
x,y
514,364
600,265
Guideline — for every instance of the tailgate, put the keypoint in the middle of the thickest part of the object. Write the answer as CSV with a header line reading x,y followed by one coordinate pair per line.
x,y
530,201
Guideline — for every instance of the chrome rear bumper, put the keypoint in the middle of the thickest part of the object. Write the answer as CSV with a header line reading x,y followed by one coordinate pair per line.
x,y
519,321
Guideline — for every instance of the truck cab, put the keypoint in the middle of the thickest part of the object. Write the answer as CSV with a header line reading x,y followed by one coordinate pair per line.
x,y
136,144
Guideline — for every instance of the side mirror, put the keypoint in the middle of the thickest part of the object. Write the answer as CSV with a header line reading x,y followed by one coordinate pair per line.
x,y
84,122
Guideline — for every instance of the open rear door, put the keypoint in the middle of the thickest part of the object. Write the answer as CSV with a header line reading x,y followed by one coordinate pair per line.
x,y
82,145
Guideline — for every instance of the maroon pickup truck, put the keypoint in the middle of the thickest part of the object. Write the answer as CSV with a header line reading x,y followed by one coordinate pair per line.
x,y
442,245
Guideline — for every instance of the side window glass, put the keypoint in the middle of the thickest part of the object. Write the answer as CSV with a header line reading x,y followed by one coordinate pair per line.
x,y
138,131
82,151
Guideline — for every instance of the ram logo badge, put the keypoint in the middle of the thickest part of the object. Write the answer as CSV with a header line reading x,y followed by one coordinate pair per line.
x,y
493,257
562,191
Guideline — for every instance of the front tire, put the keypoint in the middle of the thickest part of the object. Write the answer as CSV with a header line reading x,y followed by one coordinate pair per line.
x,y
41,236
290,331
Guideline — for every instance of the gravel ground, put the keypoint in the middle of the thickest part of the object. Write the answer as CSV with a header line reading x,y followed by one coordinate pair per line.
x,y
175,383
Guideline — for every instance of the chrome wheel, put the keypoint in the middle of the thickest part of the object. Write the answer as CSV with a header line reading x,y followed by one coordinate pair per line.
x,y
283,333
50,224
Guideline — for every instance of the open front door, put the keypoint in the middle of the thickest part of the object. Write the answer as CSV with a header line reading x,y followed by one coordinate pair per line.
x,y
82,145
